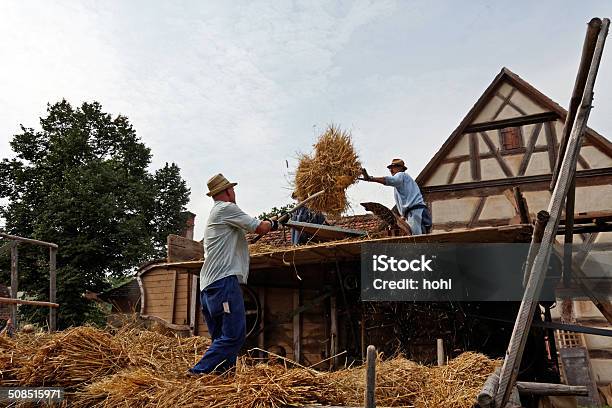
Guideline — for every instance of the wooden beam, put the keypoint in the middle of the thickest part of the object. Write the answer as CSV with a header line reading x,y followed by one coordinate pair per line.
x,y
52,287
474,157
568,234
602,176
505,100
533,388
477,211
325,232
538,232
173,292
583,162
14,280
453,173
333,332
496,154
11,301
28,240
512,122
566,173
533,138
440,352
142,295
297,328
261,336
193,301
551,144
370,380
523,209
588,50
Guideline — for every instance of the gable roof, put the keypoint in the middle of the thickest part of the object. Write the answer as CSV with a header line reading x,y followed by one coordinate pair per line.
x,y
505,76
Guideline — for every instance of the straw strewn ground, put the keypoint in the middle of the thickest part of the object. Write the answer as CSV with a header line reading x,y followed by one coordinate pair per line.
x,y
138,368
333,166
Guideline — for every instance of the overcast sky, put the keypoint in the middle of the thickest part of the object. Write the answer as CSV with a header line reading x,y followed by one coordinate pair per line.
x,y
241,87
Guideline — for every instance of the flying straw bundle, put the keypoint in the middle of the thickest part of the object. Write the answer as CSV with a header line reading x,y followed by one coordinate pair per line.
x,y
333,167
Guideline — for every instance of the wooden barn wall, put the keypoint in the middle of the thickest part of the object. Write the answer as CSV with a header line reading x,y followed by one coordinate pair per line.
x,y
158,299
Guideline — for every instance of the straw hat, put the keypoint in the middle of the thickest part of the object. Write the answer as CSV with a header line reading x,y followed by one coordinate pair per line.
x,y
217,184
398,163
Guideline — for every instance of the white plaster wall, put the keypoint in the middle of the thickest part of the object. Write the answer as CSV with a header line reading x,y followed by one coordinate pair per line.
x,y
461,148
595,157
526,104
459,210
593,198
440,176
538,164
464,173
514,162
497,207
537,200
491,170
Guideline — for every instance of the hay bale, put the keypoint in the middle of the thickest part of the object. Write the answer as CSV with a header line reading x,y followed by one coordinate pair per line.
x,y
71,358
333,167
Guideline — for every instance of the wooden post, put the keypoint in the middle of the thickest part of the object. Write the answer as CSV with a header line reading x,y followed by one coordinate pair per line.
x,y
193,301
370,389
588,49
440,349
11,301
538,232
261,339
333,349
297,328
521,205
52,288
569,235
173,294
14,280
567,173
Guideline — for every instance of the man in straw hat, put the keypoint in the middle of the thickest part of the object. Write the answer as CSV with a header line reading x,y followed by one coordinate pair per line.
x,y
226,266
408,198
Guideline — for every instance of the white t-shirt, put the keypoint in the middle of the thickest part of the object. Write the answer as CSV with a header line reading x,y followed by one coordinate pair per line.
x,y
226,251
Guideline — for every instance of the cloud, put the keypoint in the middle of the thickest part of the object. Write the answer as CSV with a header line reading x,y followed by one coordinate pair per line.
x,y
236,87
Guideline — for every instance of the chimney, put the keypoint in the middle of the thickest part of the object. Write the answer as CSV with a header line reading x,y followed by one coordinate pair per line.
x,y
187,231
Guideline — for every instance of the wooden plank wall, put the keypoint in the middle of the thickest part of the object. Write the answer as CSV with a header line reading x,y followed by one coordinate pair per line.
x,y
283,330
166,295
158,299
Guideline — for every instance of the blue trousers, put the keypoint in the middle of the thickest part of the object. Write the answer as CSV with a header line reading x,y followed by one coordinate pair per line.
x,y
223,310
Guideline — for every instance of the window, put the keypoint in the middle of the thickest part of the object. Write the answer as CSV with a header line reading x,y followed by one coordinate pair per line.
x,y
511,139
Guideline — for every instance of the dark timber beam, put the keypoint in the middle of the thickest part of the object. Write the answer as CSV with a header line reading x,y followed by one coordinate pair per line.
x,y
512,122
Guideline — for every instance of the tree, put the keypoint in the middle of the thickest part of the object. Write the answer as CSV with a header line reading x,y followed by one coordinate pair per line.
x,y
276,211
82,182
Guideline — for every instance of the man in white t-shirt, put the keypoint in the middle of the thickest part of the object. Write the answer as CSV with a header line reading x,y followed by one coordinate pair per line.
x,y
226,266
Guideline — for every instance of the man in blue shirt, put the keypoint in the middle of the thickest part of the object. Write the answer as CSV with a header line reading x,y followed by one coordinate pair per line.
x,y
408,198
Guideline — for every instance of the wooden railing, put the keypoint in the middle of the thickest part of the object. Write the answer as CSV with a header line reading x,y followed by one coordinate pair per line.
x,y
13,301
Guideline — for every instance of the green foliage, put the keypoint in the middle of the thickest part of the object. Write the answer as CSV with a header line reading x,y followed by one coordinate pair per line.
x,y
275,211
82,182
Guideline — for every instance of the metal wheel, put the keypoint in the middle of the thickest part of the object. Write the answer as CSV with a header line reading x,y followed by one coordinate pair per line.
x,y
252,310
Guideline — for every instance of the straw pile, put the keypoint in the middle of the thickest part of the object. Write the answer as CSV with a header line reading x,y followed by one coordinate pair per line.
x,y
401,382
333,167
137,368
